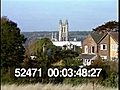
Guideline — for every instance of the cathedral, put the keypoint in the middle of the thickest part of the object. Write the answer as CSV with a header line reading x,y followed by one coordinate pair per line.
x,y
63,40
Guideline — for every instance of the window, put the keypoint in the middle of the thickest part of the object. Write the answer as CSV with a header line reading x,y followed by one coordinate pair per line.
x,y
114,58
64,29
63,38
86,49
103,47
114,47
104,57
92,49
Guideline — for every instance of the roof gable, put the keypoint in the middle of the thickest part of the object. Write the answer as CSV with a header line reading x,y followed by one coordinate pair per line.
x,y
114,35
96,37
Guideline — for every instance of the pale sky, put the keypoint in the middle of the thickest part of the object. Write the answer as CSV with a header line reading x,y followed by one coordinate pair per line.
x,y
44,15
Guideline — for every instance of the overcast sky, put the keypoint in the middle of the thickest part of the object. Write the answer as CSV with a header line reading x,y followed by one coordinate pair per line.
x,y
44,15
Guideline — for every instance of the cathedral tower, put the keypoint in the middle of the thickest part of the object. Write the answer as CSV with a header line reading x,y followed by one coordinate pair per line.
x,y
63,31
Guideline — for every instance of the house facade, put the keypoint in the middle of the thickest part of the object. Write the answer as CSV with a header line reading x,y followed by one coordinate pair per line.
x,y
114,42
104,47
90,46
113,49
108,46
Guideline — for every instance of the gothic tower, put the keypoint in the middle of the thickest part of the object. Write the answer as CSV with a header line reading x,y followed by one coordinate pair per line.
x,y
63,31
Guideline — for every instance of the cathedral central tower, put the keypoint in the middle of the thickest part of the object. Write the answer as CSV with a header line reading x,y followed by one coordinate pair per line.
x,y
63,31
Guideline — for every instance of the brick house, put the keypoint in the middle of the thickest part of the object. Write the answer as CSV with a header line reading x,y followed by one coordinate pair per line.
x,y
90,46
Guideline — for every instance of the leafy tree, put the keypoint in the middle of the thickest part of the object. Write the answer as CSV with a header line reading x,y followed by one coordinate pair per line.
x,y
106,27
29,47
34,47
12,49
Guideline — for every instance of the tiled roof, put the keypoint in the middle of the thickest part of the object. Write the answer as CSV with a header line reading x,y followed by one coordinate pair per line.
x,y
96,37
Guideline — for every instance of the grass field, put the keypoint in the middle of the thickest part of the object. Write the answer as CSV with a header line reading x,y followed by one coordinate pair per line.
x,y
54,87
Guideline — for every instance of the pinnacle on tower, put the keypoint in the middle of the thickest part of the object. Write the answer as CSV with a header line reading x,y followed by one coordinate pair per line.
x,y
66,22
60,22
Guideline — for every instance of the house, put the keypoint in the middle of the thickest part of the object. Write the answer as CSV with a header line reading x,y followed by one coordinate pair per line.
x,y
108,46
100,45
90,46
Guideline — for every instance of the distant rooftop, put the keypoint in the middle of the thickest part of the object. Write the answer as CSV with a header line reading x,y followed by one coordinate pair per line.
x,y
62,43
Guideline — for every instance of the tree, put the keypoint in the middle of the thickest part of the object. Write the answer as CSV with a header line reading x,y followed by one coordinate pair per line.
x,y
107,27
34,46
68,57
46,55
12,49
